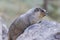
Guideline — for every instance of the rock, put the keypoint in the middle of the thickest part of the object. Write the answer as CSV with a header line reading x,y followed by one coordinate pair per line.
x,y
0,29
46,30
3,30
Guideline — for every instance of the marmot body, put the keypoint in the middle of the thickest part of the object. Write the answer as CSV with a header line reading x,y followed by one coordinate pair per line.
x,y
25,20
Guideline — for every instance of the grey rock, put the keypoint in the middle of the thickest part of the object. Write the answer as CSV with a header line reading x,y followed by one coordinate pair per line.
x,y
0,29
3,30
46,30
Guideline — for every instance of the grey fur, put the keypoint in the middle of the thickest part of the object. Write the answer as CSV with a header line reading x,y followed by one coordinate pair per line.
x,y
25,20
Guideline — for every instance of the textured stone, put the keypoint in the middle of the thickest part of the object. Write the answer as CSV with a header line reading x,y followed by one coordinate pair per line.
x,y
46,30
3,30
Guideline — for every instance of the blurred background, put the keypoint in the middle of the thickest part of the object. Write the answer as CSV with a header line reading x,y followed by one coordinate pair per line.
x,y
11,9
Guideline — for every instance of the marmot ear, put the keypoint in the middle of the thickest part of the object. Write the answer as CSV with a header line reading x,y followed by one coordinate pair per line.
x,y
36,9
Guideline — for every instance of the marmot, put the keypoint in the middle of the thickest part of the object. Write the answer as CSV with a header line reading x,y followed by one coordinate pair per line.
x,y
25,20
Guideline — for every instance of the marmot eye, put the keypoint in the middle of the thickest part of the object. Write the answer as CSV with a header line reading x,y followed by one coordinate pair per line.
x,y
42,10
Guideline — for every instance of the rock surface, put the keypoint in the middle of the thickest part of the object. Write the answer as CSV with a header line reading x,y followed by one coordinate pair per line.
x,y
0,29
46,30
3,30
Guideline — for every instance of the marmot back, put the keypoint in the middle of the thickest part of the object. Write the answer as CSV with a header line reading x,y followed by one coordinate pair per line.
x,y
21,23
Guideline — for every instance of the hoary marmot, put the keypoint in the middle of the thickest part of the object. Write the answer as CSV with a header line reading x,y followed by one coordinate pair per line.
x,y
22,22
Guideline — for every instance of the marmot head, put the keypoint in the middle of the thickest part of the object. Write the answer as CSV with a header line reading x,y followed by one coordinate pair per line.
x,y
41,11
37,14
